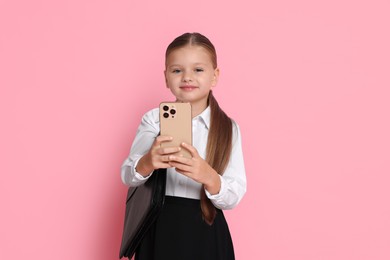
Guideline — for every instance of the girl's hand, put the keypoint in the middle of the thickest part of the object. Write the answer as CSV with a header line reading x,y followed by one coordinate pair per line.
x,y
197,169
157,157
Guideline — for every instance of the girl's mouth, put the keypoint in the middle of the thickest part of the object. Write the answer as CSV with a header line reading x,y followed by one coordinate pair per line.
x,y
188,88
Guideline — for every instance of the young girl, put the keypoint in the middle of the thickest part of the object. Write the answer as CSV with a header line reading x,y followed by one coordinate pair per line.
x,y
191,224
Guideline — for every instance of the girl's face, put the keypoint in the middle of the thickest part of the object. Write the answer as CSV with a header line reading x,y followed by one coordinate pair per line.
x,y
190,75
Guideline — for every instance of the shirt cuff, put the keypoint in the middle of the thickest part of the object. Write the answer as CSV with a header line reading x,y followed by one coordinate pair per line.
x,y
218,197
138,176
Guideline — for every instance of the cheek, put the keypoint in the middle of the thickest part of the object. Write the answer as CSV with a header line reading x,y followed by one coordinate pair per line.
x,y
171,82
212,79
172,78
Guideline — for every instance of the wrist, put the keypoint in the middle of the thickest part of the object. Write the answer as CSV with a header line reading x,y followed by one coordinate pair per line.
x,y
143,167
213,186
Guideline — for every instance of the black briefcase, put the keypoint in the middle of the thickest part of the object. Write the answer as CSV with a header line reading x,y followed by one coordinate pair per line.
x,y
143,205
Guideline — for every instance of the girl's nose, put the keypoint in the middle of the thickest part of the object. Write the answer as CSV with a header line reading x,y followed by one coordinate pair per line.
x,y
187,77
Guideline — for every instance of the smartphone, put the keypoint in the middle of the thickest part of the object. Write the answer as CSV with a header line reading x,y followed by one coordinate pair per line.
x,y
176,121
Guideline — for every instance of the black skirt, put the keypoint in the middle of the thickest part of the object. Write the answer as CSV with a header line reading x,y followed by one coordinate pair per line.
x,y
181,234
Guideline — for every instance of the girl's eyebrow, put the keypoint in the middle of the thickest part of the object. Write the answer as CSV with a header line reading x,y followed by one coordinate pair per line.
x,y
194,64
174,65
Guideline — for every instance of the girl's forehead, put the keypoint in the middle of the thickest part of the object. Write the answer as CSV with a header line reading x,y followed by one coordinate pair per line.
x,y
189,53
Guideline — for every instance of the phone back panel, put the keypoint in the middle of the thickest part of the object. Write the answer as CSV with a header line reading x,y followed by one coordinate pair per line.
x,y
176,121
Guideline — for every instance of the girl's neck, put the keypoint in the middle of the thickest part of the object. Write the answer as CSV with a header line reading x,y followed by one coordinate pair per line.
x,y
197,108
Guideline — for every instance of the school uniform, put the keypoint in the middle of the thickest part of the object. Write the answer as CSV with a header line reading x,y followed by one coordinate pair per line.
x,y
180,232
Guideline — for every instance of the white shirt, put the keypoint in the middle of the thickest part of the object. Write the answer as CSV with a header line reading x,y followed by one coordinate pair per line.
x,y
233,180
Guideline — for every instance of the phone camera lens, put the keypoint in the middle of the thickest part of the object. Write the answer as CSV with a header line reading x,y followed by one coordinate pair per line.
x,y
165,108
166,115
173,111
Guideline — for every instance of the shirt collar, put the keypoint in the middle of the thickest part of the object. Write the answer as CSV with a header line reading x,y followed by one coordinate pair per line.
x,y
205,117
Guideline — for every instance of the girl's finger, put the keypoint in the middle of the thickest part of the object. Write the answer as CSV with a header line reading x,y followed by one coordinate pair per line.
x,y
165,158
182,172
164,166
168,150
191,149
181,167
180,159
162,138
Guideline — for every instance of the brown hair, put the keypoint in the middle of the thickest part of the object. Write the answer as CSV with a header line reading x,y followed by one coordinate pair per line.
x,y
219,143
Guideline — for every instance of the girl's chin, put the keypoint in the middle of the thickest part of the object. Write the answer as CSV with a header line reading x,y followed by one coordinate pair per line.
x,y
191,101
188,98
183,100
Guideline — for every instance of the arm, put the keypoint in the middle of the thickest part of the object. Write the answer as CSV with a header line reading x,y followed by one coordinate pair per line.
x,y
146,154
225,191
233,180
145,136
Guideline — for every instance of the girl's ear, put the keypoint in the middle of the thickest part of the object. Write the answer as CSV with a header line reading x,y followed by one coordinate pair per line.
x,y
165,76
215,78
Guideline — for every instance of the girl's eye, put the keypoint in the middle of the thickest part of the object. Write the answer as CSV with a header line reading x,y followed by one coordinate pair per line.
x,y
199,69
176,71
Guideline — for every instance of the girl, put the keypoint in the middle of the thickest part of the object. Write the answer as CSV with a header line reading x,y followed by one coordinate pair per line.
x,y
191,224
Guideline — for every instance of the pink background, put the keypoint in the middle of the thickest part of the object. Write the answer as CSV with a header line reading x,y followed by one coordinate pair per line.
x,y
308,82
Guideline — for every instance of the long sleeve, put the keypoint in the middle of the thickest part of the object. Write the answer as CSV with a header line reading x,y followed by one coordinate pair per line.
x,y
233,180
145,136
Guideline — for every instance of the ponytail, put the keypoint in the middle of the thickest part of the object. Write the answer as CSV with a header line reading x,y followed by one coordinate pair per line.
x,y
218,151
